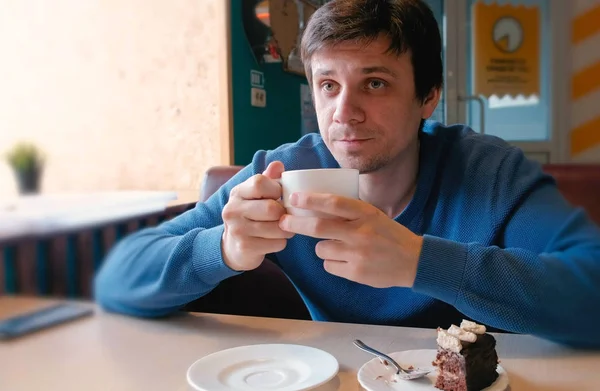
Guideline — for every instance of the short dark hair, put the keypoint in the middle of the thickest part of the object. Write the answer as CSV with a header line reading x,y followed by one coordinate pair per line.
x,y
409,25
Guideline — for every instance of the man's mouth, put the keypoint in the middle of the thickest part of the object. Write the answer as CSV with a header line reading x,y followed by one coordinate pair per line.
x,y
353,143
351,140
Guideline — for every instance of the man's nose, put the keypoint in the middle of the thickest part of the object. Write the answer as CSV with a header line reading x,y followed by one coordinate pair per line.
x,y
348,109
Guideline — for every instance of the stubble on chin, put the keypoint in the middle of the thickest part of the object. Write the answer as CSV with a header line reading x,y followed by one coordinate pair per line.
x,y
364,165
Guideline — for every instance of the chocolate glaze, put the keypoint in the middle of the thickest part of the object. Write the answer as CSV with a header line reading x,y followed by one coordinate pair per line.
x,y
472,370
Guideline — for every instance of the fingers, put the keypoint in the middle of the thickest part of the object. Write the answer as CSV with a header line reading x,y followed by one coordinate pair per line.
x,y
259,229
347,208
260,246
333,250
261,186
255,218
274,170
246,252
251,219
337,268
261,210
317,227
342,260
247,220
257,187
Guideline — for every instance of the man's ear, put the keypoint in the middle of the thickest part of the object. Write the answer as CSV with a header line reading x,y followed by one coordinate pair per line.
x,y
430,102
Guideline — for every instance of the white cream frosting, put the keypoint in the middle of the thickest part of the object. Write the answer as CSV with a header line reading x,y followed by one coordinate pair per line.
x,y
453,338
462,334
472,327
448,341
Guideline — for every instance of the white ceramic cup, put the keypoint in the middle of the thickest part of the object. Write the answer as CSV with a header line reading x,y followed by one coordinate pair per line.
x,y
338,181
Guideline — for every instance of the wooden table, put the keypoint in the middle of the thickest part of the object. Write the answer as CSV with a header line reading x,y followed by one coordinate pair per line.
x,y
113,352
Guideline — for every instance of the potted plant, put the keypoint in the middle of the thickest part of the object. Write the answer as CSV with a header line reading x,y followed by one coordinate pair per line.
x,y
27,163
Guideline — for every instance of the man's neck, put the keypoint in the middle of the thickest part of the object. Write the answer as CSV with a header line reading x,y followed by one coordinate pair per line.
x,y
391,188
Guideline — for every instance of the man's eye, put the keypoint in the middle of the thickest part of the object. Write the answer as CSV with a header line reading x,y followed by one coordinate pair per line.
x,y
328,87
376,84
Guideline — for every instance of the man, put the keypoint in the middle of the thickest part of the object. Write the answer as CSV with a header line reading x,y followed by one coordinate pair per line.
x,y
446,218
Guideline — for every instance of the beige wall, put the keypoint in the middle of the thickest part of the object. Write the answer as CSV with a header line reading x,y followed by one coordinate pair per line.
x,y
121,94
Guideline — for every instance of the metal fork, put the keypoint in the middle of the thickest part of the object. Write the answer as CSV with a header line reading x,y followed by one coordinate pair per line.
x,y
361,345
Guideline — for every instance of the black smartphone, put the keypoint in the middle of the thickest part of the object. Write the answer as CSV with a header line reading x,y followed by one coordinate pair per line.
x,y
41,319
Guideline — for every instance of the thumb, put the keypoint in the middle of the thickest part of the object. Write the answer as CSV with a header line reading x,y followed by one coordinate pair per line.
x,y
274,170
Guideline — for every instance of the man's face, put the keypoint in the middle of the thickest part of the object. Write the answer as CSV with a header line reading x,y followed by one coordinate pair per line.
x,y
366,104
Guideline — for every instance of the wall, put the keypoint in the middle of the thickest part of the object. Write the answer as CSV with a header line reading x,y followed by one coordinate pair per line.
x,y
257,128
585,81
119,94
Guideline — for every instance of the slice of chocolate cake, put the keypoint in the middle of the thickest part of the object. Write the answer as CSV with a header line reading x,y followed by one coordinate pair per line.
x,y
466,358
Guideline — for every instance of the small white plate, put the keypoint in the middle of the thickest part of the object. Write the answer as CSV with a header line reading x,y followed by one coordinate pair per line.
x,y
276,367
374,376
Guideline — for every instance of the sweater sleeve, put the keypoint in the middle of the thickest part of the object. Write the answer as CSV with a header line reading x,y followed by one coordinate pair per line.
x,y
158,270
542,279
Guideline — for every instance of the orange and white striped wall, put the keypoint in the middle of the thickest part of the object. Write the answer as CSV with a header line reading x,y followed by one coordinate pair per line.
x,y
584,136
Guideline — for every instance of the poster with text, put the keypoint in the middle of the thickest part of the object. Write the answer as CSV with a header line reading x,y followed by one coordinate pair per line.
x,y
506,49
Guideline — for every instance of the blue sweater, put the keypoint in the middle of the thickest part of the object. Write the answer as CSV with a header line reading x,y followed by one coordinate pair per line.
x,y
501,246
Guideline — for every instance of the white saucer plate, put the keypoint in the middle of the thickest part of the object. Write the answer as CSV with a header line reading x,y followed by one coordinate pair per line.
x,y
269,367
374,376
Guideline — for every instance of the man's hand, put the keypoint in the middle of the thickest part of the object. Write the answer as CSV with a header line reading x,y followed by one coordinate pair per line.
x,y
362,244
251,220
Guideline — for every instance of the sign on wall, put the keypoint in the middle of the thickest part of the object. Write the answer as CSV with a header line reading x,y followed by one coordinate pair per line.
x,y
506,49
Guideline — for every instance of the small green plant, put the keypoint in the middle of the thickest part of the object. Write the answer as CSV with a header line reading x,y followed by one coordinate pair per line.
x,y
27,162
25,157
